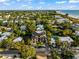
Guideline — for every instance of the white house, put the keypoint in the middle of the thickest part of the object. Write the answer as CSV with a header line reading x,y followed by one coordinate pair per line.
x,y
18,39
58,16
40,27
9,29
5,22
77,33
66,39
52,41
62,39
0,33
16,21
62,20
39,35
6,34
75,26
22,21
23,27
2,38
1,19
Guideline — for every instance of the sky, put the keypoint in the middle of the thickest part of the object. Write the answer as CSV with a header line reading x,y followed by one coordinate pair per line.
x,y
39,4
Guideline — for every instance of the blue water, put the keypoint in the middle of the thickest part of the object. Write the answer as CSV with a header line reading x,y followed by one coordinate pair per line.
x,y
71,12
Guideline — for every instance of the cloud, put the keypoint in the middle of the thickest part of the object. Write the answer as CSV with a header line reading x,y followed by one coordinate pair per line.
x,y
73,1
18,0
63,7
26,7
61,2
7,4
69,7
39,8
24,0
2,1
41,2
28,1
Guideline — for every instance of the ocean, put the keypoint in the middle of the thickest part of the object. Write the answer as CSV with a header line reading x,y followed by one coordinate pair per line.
x,y
71,12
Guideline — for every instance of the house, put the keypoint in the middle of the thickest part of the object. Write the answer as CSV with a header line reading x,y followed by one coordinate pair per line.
x,y
6,34
23,28
52,41
5,22
9,29
7,16
1,19
9,54
77,33
40,27
62,20
18,39
0,33
3,37
75,26
66,39
21,21
15,21
58,17
39,35
62,39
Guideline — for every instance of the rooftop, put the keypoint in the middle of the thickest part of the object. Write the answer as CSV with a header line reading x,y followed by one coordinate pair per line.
x,y
62,39
18,39
6,34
